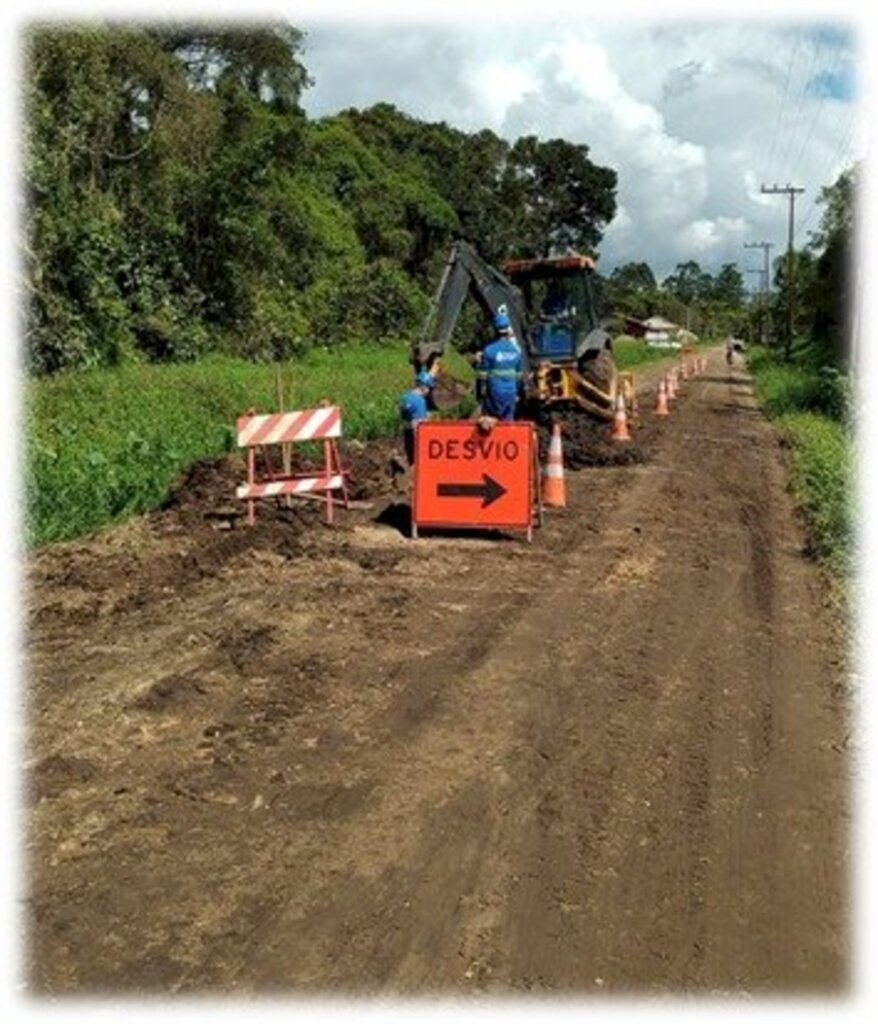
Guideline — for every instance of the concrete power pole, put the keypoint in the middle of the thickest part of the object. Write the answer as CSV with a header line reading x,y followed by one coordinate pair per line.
x,y
766,284
792,191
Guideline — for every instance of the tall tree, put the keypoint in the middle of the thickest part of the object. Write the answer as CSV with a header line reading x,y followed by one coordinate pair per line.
x,y
563,199
261,59
728,285
832,295
631,290
689,282
634,277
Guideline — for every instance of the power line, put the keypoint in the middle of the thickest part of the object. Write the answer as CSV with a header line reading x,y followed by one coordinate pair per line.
x,y
790,136
834,161
793,50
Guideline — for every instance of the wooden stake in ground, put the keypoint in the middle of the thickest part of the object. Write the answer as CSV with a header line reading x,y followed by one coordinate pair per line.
x,y
286,450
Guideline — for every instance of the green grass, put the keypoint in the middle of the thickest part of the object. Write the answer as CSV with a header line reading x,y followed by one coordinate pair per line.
x,y
103,445
106,444
803,385
810,404
823,480
630,353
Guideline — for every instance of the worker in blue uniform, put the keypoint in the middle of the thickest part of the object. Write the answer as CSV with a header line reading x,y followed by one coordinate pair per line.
x,y
500,372
414,406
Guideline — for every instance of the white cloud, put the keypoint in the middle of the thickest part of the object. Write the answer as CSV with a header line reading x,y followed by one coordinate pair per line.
x,y
499,84
694,115
704,237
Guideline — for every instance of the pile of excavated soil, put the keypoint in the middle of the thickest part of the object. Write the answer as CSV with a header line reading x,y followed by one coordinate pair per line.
x,y
586,441
199,530
205,493
207,489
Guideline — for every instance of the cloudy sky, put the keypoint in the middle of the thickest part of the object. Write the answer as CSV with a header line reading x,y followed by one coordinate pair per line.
x,y
695,115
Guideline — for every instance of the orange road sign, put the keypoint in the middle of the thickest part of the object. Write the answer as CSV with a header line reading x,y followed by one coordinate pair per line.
x,y
464,476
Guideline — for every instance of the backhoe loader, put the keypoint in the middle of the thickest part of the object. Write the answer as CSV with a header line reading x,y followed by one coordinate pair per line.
x,y
567,356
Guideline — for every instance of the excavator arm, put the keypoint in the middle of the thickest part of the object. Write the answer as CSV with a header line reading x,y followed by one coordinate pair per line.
x,y
466,273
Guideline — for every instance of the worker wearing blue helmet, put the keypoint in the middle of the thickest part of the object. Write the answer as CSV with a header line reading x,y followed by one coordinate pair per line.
x,y
414,406
500,372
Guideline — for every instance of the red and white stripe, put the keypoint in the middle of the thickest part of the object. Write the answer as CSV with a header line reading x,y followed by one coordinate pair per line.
x,y
309,483
279,427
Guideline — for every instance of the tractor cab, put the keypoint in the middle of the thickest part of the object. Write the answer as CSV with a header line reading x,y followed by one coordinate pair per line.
x,y
560,304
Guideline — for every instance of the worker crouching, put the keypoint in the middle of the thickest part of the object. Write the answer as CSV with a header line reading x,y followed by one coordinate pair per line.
x,y
414,406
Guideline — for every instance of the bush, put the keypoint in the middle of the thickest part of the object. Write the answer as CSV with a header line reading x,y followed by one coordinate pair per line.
x,y
375,302
801,386
812,404
822,471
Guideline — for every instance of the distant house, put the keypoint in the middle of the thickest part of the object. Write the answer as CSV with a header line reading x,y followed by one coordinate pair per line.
x,y
658,324
654,328
635,328
658,332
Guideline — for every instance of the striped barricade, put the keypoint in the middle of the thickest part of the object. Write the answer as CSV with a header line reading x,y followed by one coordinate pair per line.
x,y
262,431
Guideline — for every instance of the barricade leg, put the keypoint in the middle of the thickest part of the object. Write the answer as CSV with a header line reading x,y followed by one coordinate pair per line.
x,y
327,469
251,479
341,473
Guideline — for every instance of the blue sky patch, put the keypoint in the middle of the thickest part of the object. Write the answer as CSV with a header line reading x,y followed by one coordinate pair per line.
x,y
833,85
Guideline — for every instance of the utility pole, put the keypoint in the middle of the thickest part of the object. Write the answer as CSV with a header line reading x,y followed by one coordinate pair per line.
x,y
791,191
766,283
761,273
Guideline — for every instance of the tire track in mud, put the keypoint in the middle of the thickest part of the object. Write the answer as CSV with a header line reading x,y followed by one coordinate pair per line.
x,y
457,765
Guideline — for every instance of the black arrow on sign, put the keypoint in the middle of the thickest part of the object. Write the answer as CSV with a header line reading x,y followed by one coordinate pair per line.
x,y
488,490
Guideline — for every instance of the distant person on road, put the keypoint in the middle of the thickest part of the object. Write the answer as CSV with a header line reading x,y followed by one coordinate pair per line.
x,y
414,406
730,353
500,372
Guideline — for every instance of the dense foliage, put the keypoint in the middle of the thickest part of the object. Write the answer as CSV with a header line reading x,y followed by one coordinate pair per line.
x,y
823,285
710,305
180,201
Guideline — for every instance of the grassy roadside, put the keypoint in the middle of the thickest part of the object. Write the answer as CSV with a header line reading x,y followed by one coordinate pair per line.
x,y
629,354
810,404
106,444
103,445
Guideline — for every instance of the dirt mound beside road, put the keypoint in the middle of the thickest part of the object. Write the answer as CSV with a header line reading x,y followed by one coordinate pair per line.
x,y
586,441
207,489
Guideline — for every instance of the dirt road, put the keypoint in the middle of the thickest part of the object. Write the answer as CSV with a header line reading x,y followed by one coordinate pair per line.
x,y
344,761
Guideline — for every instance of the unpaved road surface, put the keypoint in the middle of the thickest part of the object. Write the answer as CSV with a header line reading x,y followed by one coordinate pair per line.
x,y
305,760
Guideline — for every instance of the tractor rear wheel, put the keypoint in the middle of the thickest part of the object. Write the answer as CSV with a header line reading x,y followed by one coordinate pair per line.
x,y
600,370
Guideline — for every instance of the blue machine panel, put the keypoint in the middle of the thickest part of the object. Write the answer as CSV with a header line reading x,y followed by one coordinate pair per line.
x,y
553,341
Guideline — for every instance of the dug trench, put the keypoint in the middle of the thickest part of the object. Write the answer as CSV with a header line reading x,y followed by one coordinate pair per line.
x,y
308,760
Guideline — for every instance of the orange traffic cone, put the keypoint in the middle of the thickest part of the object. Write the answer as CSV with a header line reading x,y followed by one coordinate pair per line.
x,y
620,421
554,492
661,399
671,386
